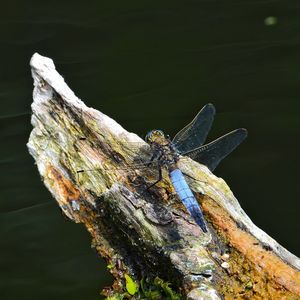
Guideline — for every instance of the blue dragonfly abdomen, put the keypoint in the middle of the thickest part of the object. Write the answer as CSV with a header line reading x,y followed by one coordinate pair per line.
x,y
187,197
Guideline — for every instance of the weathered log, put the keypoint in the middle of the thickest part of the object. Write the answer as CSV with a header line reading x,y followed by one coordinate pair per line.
x,y
148,234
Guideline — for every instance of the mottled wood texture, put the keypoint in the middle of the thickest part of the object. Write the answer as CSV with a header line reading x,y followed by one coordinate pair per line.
x,y
148,234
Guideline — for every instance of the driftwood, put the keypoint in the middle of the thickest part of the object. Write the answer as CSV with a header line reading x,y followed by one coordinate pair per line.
x,y
148,234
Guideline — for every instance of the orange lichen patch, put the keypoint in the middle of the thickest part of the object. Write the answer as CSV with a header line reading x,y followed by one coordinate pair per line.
x,y
62,186
268,266
247,281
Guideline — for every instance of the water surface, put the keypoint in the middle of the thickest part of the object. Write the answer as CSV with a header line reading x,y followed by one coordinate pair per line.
x,y
148,65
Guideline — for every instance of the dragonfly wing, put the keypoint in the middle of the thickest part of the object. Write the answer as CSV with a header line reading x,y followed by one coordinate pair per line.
x,y
211,154
130,164
194,134
131,167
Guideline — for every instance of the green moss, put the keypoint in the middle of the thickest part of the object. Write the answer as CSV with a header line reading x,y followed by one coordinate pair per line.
x,y
155,289
116,297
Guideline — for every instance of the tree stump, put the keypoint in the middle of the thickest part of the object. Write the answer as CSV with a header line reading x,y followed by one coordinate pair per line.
x,y
95,171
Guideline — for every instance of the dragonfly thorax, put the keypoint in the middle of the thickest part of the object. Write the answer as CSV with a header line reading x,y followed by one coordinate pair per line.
x,y
163,149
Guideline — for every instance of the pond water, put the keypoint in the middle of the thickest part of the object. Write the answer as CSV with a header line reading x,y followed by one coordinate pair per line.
x,y
148,65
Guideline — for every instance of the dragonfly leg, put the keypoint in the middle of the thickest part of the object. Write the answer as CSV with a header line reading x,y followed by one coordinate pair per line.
x,y
157,181
189,176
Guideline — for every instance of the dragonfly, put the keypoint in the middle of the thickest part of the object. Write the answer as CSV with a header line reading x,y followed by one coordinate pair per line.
x,y
189,141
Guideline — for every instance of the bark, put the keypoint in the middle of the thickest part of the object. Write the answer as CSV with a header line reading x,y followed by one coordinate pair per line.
x,y
141,233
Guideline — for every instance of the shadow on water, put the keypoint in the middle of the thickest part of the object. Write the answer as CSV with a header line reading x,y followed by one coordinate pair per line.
x,y
148,66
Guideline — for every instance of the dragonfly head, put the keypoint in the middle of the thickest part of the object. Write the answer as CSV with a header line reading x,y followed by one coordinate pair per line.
x,y
155,136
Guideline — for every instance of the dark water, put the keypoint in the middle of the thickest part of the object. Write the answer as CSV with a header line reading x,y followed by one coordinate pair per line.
x,y
147,65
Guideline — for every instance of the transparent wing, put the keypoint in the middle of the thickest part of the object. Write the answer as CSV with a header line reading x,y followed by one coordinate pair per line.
x,y
129,156
194,134
211,154
131,167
